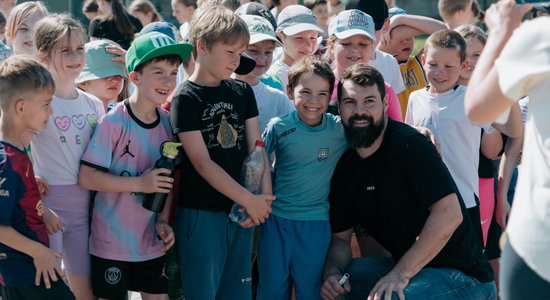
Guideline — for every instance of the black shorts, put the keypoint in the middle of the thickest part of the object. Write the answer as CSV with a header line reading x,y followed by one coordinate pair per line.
x,y
112,279
58,291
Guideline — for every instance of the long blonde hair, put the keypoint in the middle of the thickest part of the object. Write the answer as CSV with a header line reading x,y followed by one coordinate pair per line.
x,y
21,13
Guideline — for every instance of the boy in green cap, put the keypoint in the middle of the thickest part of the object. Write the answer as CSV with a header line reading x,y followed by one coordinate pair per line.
x,y
127,241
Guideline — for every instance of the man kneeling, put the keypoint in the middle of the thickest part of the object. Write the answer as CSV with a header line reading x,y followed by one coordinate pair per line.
x,y
393,182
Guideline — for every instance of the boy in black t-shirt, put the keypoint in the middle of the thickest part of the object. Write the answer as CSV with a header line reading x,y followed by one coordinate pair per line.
x,y
216,119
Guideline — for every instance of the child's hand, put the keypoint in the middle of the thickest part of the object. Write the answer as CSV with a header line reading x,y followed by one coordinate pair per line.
x,y
42,185
258,209
119,52
153,182
46,265
52,221
166,233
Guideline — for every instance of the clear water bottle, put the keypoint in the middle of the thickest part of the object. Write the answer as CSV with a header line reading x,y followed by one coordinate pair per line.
x,y
168,150
252,174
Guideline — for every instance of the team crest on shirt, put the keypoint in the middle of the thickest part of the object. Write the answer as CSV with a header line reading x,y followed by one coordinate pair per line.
x,y
113,275
322,154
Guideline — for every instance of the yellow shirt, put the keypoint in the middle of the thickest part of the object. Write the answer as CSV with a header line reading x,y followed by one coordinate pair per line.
x,y
414,79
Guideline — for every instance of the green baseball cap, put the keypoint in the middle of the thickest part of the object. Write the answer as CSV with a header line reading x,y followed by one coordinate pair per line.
x,y
151,45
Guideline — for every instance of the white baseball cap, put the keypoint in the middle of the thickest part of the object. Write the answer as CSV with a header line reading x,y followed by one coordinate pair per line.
x,y
260,29
295,19
352,22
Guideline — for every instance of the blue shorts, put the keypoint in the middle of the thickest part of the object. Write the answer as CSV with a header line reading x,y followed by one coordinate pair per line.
x,y
215,255
292,252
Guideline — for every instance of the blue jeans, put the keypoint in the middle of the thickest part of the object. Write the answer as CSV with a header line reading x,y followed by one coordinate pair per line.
x,y
429,283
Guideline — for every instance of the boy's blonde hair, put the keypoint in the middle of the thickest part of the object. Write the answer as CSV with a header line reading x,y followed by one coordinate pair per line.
x,y
22,74
21,13
51,31
472,32
310,65
448,8
217,24
447,39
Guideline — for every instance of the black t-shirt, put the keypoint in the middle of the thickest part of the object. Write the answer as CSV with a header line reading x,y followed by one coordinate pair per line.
x,y
220,114
102,28
390,192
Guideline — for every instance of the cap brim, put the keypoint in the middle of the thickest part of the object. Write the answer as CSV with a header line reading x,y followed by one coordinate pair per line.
x,y
260,37
102,72
246,65
295,29
348,33
182,50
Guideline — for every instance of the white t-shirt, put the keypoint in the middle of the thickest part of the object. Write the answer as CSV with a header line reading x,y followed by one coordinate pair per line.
x,y
389,68
524,69
458,138
279,71
57,149
271,103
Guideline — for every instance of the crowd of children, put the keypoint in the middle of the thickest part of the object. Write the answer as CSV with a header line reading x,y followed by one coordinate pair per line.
x,y
82,122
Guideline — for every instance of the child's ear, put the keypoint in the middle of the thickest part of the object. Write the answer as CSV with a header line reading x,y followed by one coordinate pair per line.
x,y
290,92
134,77
19,105
201,47
83,85
463,65
423,57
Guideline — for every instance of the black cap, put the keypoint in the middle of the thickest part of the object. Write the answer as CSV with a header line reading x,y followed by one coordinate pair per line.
x,y
257,9
377,9
246,65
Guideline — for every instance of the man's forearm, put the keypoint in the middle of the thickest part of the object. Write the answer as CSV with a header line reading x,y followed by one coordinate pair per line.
x,y
445,217
338,257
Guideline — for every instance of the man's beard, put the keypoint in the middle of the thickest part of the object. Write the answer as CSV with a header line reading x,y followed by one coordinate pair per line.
x,y
363,137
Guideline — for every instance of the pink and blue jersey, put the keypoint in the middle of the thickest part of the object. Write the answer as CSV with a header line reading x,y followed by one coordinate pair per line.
x,y
123,145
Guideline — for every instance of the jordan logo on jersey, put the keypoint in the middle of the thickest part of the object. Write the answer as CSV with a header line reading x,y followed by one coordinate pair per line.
x,y
127,150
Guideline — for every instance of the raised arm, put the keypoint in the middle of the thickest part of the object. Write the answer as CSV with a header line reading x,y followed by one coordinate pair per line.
x,y
485,101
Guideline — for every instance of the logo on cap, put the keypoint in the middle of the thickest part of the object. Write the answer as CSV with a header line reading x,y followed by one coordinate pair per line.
x,y
161,40
260,28
358,19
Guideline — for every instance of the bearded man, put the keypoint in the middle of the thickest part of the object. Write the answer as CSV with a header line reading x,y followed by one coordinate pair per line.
x,y
393,182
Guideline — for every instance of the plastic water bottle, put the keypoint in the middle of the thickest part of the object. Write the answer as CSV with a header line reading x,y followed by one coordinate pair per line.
x,y
168,150
252,174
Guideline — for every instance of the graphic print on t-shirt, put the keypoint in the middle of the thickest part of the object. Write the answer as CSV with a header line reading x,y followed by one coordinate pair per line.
x,y
228,131
79,122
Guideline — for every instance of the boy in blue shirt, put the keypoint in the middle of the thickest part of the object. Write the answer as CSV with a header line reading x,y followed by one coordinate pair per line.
x,y
307,144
